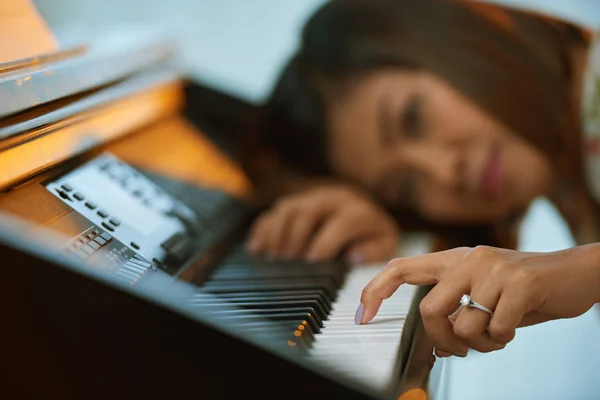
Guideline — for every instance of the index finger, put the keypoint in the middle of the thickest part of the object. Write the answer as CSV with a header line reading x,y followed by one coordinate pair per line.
x,y
418,270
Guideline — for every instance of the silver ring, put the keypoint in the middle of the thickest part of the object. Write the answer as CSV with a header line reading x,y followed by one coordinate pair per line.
x,y
467,301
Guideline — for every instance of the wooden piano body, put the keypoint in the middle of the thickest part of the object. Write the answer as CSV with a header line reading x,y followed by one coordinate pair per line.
x,y
89,319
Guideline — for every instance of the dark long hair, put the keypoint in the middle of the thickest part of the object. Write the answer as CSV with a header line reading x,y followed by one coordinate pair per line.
x,y
519,71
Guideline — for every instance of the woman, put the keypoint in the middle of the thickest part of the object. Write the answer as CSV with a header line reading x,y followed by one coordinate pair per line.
x,y
446,116
483,294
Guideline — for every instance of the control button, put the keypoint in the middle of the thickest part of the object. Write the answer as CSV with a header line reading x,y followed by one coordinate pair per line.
x,y
64,194
102,214
78,196
134,267
114,221
106,236
100,241
67,187
141,263
137,193
179,246
135,245
81,254
91,205
94,245
173,241
108,227
87,249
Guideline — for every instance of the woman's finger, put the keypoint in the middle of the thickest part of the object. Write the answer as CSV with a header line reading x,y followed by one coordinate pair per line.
x,y
471,323
441,302
300,229
372,249
275,230
510,310
336,232
256,238
425,269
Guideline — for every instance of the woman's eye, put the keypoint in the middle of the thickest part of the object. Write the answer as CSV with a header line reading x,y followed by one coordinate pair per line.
x,y
412,118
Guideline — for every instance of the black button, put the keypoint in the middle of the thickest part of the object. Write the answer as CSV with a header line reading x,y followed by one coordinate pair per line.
x,y
63,194
78,196
114,221
108,227
135,245
158,263
67,187
90,205
102,214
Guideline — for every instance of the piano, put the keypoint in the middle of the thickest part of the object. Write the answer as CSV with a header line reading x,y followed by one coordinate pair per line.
x,y
122,226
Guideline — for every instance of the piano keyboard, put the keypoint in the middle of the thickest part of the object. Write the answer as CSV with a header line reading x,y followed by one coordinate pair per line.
x,y
310,309
367,353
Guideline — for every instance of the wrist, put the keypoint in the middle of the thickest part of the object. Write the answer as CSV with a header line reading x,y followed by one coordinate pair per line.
x,y
587,258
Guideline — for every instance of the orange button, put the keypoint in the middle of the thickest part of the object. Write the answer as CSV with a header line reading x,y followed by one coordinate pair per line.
x,y
413,394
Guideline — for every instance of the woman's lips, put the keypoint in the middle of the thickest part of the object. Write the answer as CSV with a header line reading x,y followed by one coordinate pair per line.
x,y
491,179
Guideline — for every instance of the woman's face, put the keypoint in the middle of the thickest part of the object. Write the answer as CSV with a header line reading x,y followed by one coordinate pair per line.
x,y
414,140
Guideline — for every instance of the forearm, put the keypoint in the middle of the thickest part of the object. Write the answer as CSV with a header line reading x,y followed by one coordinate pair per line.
x,y
587,260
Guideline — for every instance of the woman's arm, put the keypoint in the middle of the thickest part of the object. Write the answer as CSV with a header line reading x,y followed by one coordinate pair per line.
x,y
519,288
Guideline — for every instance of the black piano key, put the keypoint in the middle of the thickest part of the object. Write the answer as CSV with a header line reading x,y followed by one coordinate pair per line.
x,y
296,316
283,268
258,285
279,305
317,294
264,273
269,299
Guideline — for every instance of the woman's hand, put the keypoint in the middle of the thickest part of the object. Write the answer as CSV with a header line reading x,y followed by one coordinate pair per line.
x,y
520,288
324,222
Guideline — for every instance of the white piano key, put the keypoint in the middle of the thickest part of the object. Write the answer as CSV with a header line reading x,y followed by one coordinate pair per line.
x,y
366,353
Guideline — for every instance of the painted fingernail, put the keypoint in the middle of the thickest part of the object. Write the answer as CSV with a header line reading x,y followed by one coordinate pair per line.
x,y
359,314
355,257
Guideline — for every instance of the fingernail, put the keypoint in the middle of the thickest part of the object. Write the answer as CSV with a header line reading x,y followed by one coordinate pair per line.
x,y
460,354
355,258
359,314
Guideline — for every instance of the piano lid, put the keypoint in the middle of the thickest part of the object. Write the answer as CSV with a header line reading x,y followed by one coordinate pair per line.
x,y
42,83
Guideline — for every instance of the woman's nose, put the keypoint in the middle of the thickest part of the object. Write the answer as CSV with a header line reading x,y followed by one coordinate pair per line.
x,y
444,165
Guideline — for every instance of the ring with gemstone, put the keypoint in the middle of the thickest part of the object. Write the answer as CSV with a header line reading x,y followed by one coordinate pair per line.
x,y
467,301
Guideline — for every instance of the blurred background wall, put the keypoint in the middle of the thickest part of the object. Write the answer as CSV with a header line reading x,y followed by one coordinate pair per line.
x,y
236,45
